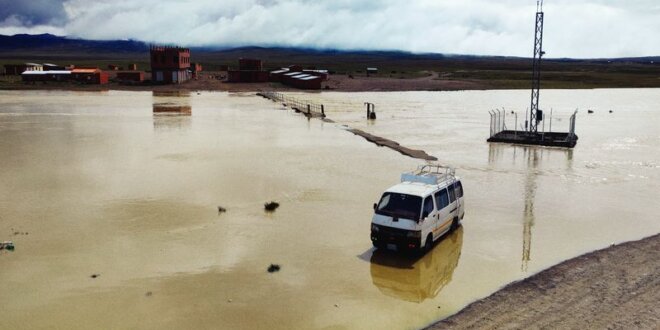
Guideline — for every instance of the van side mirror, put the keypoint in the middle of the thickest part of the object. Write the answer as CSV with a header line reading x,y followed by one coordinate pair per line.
x,y
375,206
425,214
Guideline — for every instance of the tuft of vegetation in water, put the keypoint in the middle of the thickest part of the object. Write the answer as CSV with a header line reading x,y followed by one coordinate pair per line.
x,y
273,268
271,206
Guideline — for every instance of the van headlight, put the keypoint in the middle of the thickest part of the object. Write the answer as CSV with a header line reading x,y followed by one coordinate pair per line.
x,y
374,227
414,234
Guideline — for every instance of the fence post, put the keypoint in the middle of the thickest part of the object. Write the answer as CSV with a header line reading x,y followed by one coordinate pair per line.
x,y
550,128
515,125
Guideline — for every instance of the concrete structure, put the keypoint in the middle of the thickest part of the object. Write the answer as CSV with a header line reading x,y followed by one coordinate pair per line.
x,y
249,71
170,65
130,76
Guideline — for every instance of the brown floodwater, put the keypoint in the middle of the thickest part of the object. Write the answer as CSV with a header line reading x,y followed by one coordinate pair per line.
x,y
104,184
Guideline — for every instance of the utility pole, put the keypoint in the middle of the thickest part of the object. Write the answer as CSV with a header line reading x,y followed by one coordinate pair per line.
x,y
536,115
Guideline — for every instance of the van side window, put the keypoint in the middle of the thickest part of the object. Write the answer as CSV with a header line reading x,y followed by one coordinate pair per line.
x,y
428,205
442,199
452,196
459,189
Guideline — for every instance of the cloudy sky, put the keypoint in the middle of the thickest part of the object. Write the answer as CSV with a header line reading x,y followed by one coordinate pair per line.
x,y
573,28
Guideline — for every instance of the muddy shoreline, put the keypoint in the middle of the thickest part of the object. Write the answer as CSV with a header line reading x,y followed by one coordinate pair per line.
x,y
614,288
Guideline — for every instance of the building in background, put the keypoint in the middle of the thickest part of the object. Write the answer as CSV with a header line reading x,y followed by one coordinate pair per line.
x,y
249,71
170,65
53,67
45,76
296,76
130,77
34,67
132,67
195,69
14,69
92,76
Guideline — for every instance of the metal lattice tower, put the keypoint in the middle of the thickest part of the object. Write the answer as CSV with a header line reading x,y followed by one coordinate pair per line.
x,y
535,116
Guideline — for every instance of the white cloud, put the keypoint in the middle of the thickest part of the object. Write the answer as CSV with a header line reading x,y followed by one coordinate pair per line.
x,y
590,28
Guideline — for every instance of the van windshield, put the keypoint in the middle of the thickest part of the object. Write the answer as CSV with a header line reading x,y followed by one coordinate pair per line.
x,y
400,206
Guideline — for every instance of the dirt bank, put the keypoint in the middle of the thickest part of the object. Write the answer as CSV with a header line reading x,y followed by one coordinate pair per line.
x,y
614,288
210,82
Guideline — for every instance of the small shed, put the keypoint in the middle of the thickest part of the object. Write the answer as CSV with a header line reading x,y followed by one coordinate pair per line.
x,y
90,76
372,71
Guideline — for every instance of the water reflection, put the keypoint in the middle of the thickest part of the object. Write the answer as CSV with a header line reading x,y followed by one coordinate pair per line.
x,y
417,279
532,158
171,109
170,93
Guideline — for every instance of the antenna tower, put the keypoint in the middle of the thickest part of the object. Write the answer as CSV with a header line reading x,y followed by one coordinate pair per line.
x,y
536,115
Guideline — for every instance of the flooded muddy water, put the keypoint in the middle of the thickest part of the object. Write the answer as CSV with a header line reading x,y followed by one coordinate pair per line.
x,y
127,185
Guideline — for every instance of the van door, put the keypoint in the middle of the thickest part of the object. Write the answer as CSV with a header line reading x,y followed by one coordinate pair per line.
x,y
458,187
444,218
453,204
428,222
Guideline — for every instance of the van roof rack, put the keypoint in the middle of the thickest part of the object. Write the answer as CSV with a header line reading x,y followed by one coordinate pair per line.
x,y
432,174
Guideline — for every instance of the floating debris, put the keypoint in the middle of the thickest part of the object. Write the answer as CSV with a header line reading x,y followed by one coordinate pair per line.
x,y
273,268
611,111
271,206
95,275
221,209
7,245
590,111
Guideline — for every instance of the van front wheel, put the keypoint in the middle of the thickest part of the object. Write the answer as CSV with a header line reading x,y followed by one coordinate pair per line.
x,y
429,243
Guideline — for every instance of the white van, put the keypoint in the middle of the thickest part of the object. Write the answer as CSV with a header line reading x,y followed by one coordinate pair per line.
x,y
413,214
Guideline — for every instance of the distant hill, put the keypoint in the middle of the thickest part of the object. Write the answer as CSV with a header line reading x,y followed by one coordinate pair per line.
x,y
48,44
50,47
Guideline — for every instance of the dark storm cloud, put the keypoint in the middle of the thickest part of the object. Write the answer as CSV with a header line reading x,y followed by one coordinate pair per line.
x,y
588,28
32,12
